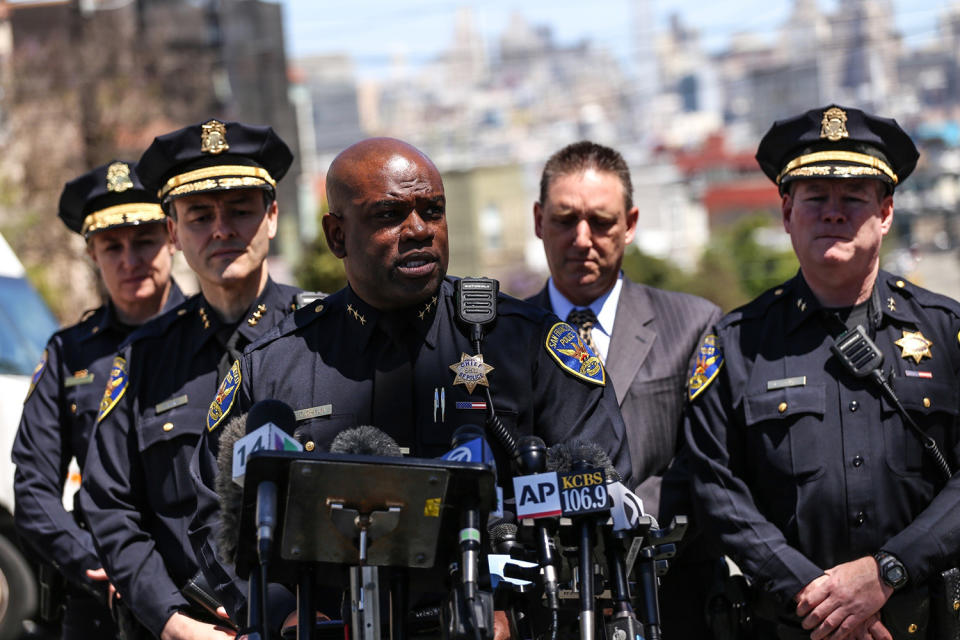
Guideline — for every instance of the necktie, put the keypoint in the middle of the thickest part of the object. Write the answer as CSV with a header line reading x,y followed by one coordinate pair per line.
x,y
584,320
393,382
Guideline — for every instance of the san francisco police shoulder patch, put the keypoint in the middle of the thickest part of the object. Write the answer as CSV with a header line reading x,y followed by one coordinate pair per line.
x,y
709,361
564,344
37,372
116,387
226,394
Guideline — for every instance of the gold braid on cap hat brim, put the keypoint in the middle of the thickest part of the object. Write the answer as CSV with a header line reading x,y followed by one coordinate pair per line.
x,y
216,177
839,156
121,214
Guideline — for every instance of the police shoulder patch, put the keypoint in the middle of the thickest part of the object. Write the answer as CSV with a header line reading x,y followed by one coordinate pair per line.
x,y
709,361
564,344
37,373
116,387
226,394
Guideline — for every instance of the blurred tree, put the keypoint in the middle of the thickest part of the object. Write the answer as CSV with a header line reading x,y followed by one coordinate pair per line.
x,y
759,266
653,271
320,270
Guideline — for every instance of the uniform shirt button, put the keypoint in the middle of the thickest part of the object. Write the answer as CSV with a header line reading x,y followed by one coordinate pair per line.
x,y
782,407
168,426
859,519
854,405
310,446
857,461
926,402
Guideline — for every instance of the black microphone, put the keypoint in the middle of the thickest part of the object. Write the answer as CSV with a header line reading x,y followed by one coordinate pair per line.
x,y
532,459
583,456
365,441
469,522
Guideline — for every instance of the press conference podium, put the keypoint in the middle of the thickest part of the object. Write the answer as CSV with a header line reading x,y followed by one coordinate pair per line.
x,y
337,511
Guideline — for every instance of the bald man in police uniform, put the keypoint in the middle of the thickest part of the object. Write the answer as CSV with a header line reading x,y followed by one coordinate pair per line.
x,y
805,473
127,240
333,361
216,182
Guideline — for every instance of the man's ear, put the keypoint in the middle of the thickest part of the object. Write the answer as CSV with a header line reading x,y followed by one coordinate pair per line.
x,y
333,231
538,219
272,215
886,214
172,231
91,253
632,217
786,210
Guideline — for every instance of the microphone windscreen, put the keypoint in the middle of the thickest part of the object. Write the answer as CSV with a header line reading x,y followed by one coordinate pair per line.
x,y
275,411
229,492
502,532
594,456
559,458
365,441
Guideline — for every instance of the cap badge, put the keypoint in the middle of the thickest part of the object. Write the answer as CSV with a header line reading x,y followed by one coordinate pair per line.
x,y
118,177
471,371
213,137
914,345
833,127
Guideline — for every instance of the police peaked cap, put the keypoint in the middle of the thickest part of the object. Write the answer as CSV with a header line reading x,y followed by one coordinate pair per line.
x,y
214,156
106,197
837,142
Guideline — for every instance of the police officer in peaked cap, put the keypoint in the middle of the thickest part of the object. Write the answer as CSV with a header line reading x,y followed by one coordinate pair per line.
x,y
806,471
217,184
127,240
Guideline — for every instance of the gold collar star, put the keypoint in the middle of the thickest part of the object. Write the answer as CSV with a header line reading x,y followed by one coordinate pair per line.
x,y
471,371
426,309
914,345
356,314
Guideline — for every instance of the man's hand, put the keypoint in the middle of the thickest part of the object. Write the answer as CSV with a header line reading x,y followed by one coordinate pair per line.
x,y
871,629
98,575
837,604
501,626
182,627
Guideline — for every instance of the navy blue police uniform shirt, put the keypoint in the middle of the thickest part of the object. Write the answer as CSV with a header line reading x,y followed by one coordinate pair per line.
x,y
137,493
799,466
59,414
321,361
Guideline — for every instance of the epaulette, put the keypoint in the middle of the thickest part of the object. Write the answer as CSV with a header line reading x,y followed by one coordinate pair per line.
x,y
160,325
759,306
924,297
297,320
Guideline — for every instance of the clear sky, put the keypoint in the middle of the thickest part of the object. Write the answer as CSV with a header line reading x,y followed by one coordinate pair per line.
x,y
374,31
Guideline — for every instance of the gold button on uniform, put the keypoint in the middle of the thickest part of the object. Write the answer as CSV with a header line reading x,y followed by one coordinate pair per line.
x,y
901,284
168,426
782,407
73,408
912,628
310,446
926,402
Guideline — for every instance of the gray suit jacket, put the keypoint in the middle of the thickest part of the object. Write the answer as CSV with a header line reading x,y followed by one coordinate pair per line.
x,y
655,338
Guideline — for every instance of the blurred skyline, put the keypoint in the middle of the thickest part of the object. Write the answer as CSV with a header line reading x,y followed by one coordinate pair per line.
x,y
375,34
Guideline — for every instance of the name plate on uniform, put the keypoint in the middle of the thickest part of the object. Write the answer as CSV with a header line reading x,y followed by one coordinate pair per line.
x,y
783,383
172,403
313,412
74,381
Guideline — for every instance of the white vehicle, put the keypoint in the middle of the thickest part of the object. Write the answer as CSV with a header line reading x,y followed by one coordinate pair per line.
x,y
25,326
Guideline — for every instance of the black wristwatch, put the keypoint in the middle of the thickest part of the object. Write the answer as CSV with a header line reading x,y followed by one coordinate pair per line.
x,y
892,571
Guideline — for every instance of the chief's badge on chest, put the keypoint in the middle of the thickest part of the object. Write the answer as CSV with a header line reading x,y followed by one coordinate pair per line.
x,y
37,372
564,344
226,394
116,387
471,371
914,345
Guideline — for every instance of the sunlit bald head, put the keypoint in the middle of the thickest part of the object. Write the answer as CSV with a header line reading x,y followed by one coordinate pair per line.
x,y
387,222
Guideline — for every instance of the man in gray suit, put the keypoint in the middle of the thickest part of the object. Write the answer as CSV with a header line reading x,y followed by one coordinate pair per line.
x,y
647,338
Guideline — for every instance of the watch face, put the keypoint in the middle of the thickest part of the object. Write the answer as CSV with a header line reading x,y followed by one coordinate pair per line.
x,y
894,574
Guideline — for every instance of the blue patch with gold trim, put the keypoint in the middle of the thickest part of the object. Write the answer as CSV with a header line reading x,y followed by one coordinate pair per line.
x,y
709,361
116,387
226,394
564,344
37,372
